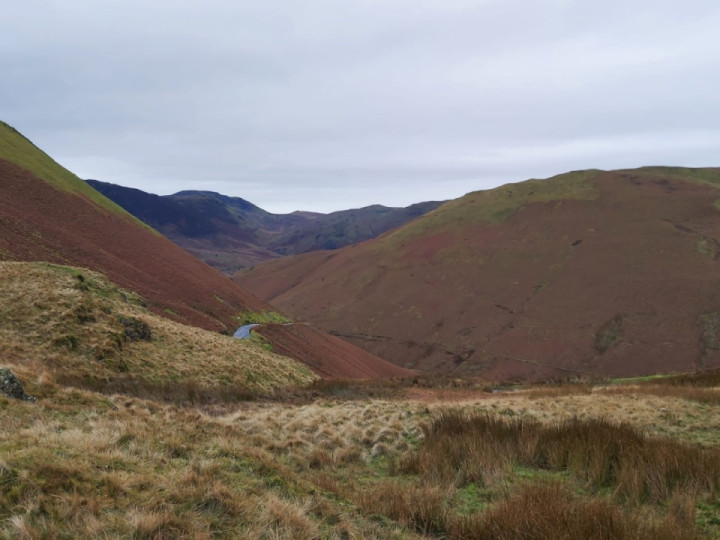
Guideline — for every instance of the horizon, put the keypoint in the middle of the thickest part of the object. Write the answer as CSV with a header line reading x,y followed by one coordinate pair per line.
x,y
300,210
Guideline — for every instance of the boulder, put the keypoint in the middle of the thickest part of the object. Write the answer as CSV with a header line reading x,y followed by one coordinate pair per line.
x,y
10,386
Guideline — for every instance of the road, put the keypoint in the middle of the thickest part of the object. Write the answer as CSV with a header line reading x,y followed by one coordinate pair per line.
x,y
244,331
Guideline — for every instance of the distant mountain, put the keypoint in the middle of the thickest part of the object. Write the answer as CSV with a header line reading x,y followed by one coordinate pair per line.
x,y
231,233
587,273
48,214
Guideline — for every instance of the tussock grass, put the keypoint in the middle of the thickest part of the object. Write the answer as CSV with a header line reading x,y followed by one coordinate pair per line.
x,y
447,469
122,467
423,508
702,379
550,510
700,394
464,448
328,435
80,463
701,386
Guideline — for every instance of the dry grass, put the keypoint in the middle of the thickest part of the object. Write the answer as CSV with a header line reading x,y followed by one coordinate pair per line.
x,y
77,462
123,467
386,457
461,448
550,510
81,330
684,419
691,393
328,434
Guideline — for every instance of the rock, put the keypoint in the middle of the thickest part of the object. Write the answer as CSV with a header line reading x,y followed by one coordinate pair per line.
x,y
11,386
135,329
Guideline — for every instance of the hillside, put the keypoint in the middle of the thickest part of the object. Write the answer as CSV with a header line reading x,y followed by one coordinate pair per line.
x,y
80,329
592,272
229,233
48,214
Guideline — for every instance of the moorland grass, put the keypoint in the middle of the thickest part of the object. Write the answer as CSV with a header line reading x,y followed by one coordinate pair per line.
x,y
84,331
347,466
496,205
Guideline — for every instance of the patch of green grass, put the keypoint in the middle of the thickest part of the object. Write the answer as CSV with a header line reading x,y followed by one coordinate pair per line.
x,y
631,380
707,247
609,334
263,317
261,341
707,176
708,517
710,339
473,498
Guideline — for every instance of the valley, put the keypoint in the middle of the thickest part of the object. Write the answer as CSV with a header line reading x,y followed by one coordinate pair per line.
x,y
535,361
230,233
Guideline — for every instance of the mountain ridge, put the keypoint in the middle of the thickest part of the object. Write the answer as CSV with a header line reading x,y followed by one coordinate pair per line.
x,y
231,233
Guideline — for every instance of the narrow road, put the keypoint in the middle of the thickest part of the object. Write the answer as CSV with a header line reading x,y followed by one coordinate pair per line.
x,y
244,331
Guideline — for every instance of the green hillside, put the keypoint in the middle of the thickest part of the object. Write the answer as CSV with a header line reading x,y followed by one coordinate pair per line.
x,y
494,206
16,148
85,331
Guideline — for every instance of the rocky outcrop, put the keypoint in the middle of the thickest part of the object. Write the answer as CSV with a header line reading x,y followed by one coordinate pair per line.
x,y
10,386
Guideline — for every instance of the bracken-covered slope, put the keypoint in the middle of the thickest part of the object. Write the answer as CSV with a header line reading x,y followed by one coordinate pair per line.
x,y
48,214
608,273
229,233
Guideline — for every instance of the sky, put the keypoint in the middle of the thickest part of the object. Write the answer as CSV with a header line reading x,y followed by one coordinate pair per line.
x,y
324,105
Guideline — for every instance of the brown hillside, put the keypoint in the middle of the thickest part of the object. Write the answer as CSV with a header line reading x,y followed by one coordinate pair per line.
x,y
611,273
40,222
326,355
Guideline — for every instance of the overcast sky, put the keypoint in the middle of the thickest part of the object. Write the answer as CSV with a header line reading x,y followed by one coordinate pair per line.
x,y
332,104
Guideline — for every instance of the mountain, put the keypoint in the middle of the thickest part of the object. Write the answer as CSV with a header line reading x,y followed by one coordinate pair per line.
x,y
231,233
48,214
588,273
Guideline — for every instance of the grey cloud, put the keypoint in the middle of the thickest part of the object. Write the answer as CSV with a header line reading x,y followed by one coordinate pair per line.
x,y
328,104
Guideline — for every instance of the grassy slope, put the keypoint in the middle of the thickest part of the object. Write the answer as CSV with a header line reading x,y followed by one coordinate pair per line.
x,y
78,327
496,205
16,148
